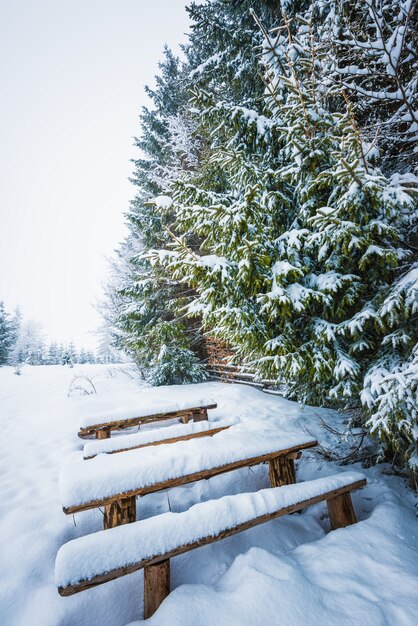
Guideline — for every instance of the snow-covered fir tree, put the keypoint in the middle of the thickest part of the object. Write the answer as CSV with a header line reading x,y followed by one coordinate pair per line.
x,y
29,347
304,264
67,356
375,60
277,203
148,315
52,354
146,302
6,335
106,352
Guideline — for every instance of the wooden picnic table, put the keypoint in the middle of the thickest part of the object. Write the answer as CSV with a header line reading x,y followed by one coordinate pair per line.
x,y
114,481
150,544
156,437
102,426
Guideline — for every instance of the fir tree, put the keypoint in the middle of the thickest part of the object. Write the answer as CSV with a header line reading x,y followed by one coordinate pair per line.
x,y
145,298
221,58
29,347
376,61
6,335
52,357
67,356
303,266
277,202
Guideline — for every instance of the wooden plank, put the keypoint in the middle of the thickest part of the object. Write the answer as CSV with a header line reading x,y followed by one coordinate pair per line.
x,y
189,478
129,569
204,433
119,512
274,392
228,366
135,421
235,381
341,511
156,586
232,373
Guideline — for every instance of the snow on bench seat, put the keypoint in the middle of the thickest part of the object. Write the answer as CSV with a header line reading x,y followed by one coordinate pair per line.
x,y
152,409
108,554
105,478
154,436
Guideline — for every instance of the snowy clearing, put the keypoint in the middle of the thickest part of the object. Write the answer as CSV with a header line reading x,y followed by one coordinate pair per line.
x,y
290,570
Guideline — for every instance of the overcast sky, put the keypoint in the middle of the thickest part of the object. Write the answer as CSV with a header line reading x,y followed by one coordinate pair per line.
x,y
72,84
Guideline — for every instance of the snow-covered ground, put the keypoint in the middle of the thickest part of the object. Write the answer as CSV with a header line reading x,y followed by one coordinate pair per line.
x,y
289,571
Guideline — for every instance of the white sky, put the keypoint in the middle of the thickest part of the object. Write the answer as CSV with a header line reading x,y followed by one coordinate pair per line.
x,y
72,76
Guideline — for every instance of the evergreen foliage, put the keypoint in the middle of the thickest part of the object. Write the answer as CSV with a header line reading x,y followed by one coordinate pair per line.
x,y
277,204
305,265
6,335
376,61
144,300
29,346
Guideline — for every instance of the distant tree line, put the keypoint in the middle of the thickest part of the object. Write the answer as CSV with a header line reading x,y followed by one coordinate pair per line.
x,y
23,342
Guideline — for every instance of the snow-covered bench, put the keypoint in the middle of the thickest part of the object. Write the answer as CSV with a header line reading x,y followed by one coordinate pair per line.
x,y
101,425
149,544
113,481
156,436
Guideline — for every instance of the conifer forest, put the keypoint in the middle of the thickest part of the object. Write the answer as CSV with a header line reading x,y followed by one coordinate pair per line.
x,y
276,208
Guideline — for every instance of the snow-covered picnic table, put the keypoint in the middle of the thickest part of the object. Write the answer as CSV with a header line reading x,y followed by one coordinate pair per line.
x,y
156,436
151,543
153,410
185,454
108,479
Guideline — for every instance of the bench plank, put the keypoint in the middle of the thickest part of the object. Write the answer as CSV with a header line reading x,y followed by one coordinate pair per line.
x,y
127,549
156,436
186,454
103,428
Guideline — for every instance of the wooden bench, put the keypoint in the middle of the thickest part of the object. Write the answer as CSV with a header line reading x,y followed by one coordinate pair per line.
x,y
114,481
156,436
150,544
102,426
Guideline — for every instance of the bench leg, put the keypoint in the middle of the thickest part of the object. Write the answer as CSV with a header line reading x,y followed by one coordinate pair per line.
x,y
341,511
201,416
156,586
282,471
119,512
103,434
185,418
